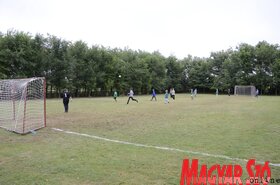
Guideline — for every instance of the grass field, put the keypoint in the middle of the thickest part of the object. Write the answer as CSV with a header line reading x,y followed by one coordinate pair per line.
x,y
238,127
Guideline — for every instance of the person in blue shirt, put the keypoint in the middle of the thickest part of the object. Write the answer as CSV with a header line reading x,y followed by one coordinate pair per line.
x,y
154,95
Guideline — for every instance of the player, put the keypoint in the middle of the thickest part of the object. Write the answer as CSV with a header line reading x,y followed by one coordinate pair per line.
x,y
228,91
131,94
154,94
66,96
257,93
115,96
217,92
195,92
172,93
192,95
166,97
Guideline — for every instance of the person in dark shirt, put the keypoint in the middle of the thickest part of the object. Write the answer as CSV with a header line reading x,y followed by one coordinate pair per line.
x,y
228,91
66,96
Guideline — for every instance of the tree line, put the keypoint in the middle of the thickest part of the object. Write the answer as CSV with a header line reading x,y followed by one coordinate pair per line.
x,y
97,71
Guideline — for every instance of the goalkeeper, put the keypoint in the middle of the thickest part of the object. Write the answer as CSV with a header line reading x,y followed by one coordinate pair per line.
x,y
66,96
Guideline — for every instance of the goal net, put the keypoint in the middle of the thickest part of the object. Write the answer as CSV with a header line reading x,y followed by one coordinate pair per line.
x,y
245,90
23,104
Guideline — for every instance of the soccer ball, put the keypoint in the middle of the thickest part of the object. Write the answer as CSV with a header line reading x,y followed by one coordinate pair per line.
x,y
120,76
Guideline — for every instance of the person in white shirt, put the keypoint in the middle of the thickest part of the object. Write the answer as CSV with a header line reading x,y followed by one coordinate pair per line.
x,y
195,92
166,97
257,93
172,93
130,96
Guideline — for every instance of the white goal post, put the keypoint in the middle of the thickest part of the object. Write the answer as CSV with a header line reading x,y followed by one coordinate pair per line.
x,y
23,104
248,90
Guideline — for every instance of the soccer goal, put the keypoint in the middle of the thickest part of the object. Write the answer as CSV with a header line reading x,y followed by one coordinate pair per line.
x,y
245,90
23,104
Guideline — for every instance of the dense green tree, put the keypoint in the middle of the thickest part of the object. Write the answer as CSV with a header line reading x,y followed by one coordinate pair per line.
x,y
266,55
81,68
156,69
96,70
199,74
219,61
276,76
174,73
245,64
16,55
56,65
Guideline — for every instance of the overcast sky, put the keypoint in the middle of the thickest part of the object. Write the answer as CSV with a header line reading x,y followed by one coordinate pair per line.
x,y
172,27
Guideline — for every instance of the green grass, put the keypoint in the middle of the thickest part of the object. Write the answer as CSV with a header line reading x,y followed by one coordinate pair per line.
x,y
238,127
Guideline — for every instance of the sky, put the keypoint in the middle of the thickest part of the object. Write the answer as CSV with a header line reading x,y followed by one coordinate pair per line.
x,y
172,27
